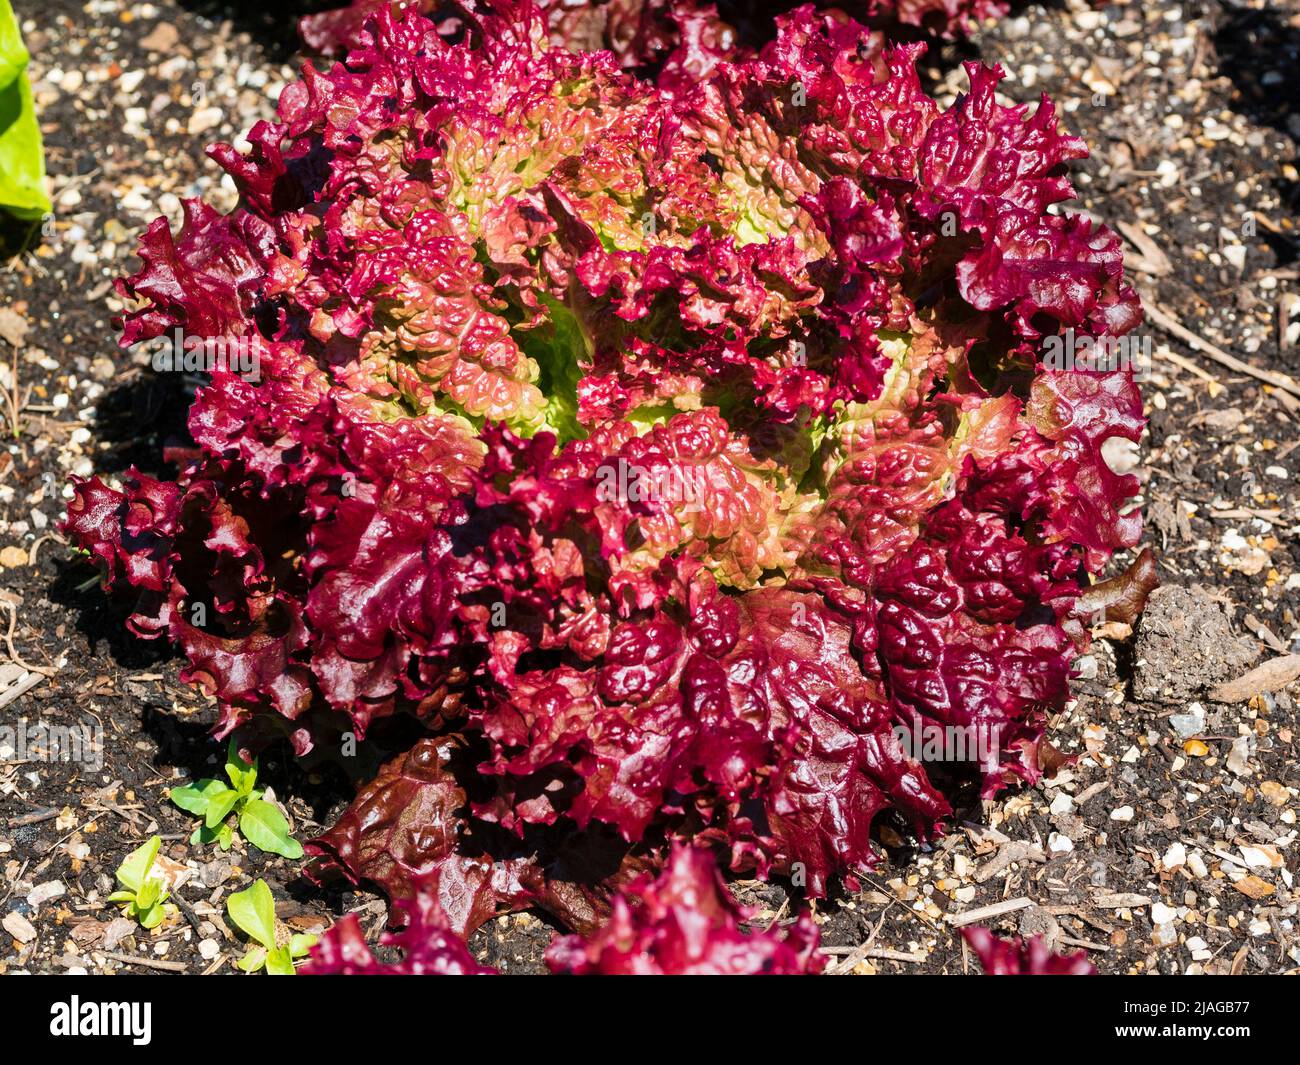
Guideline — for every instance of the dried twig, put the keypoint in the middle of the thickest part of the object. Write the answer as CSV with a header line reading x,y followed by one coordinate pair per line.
x,y
1172,325
984,913
20,687
1086,944
1151,258
883,953
1271,676
148,963
861,952
9,644
36,817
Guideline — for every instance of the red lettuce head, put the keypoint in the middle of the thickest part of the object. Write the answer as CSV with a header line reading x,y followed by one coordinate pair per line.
x,y
684,923
1032,957
689,457
679,40
428,948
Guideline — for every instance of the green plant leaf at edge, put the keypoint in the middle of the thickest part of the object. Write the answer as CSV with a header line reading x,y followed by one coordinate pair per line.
x,y
219,808
153,916
22,157
195,798
243,775
279,963
300,944
135,866
253,911
266,829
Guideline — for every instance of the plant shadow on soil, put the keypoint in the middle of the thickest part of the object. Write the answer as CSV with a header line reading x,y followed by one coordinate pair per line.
x,y
1258,52
274,26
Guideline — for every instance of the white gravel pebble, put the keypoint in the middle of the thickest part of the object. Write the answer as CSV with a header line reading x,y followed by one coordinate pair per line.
x,y
1188,724
1062,804
43,893
1162,914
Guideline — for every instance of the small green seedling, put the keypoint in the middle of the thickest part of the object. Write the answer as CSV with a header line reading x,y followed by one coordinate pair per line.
x,y
260,821
253,911
144,896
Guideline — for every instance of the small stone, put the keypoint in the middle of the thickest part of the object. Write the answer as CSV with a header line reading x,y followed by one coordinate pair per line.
x,y
1274,792
1124,813
163,38
42,893
1164,935
1197,864
1195,749
1262,857
118,929
1238,756
1062,804
18,926
130,81
1187,725
1059,844
1162,914
12,557
203,120
209,949
1175,857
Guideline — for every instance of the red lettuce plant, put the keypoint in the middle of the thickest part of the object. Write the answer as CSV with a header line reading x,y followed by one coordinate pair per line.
x,y
427,948
685,38
684,923
660,454
999,957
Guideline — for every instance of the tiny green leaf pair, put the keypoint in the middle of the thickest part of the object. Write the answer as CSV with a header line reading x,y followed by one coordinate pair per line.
x,y
144,897
253,912
260,821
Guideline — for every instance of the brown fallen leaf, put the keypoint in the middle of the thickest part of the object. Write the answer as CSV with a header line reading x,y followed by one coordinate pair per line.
x,y
1254,887
89,932
1051,759
1121,598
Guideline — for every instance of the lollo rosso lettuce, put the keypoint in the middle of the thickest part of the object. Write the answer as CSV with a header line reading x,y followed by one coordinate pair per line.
x,y
671,459
679,923
1032,957
684,923
680,40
